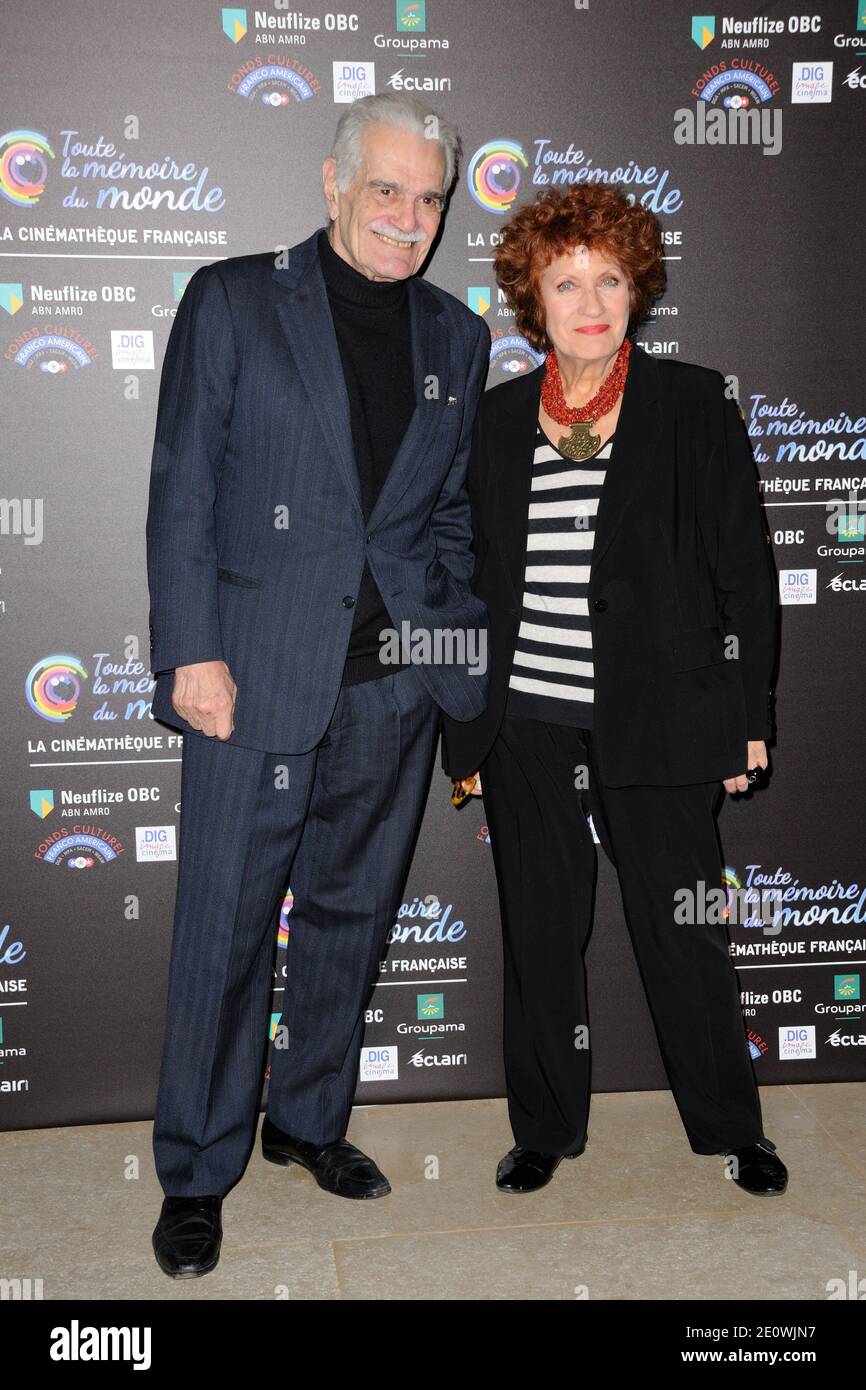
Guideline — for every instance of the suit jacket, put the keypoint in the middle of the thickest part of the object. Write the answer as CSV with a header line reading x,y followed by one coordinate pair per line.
x,y
255,531
681,558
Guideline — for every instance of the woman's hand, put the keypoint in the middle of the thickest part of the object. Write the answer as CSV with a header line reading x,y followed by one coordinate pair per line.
x,y
756,756
464,787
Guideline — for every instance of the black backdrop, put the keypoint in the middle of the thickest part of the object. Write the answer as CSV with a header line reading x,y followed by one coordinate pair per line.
x,y
233,110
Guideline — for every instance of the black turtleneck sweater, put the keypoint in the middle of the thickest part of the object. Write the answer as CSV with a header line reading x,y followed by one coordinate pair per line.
x,y
371,321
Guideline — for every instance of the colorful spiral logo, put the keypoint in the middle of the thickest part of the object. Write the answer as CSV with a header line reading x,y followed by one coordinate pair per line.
x,y
283,930
53,687
23,166
494,174
732,885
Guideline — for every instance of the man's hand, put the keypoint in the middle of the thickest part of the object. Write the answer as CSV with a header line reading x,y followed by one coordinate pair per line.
x,y
204,695
756,756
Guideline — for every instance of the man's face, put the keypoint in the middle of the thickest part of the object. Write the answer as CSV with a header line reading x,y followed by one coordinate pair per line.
x,y
385,222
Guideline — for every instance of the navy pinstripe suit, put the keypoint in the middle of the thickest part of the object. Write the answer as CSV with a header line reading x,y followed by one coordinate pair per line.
x,y
256,542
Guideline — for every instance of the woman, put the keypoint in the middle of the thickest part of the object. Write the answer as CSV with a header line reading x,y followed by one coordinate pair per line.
x,y
621,551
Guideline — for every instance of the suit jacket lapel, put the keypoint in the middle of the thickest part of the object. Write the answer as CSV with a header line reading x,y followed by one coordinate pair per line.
x,y
513,445
306,321
305,317
431,363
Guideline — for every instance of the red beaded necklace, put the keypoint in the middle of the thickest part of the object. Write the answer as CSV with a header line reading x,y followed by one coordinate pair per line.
x,y
581,443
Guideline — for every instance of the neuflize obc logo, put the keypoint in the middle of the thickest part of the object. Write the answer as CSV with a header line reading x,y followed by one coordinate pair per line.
x,y
11,296
234,24
703,29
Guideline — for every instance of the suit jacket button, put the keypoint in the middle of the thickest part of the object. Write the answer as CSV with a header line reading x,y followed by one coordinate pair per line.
x,y
348,601
600,604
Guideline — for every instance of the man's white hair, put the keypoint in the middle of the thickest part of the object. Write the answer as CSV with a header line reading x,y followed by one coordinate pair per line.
x,y
395,109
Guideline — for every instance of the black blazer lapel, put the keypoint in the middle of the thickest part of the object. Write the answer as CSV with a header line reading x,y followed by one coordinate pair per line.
x,y
510,452
635,440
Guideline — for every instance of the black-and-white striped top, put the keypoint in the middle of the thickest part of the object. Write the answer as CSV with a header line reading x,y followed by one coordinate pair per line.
x,y
552,674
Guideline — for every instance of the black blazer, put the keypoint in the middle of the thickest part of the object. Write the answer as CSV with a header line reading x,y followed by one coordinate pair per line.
x,y
681,559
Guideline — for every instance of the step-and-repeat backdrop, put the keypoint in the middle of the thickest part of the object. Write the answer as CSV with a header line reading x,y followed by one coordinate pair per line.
x,y
138,142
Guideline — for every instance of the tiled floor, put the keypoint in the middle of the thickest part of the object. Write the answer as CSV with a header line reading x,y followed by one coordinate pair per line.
x,y
637,1216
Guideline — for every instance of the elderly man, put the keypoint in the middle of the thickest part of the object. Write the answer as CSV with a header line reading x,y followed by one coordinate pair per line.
x,y
307,501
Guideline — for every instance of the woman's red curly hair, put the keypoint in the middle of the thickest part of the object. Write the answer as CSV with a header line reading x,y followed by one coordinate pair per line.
x,y
594,215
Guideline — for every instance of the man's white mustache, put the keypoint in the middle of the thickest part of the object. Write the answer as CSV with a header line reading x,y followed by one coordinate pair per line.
x,y
408,237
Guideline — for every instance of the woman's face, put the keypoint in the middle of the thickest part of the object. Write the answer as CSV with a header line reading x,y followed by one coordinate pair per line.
x,y
585,299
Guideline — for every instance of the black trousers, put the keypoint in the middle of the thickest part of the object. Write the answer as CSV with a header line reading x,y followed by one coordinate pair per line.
x,y
659,839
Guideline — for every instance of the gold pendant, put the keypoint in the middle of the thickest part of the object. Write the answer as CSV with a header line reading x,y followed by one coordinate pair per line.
x,y
581,443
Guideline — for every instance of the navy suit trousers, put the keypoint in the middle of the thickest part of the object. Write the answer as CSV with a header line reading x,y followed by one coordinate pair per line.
x,y
338,825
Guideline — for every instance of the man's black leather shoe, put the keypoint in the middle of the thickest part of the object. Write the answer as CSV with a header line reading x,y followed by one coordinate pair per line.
x,y
338,1167
759,1170
187,1236
525,1170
